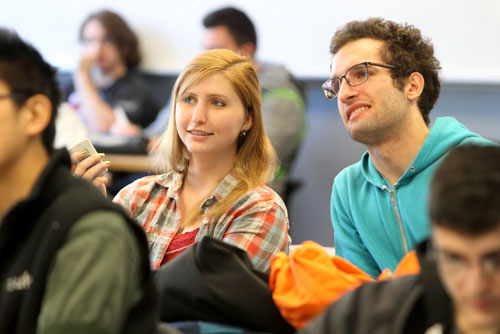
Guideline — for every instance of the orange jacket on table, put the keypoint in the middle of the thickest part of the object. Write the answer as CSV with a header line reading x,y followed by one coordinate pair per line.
x,y
305,282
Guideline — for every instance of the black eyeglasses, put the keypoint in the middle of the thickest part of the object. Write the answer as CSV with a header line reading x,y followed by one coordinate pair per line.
x,y
12,96
354,76
6,96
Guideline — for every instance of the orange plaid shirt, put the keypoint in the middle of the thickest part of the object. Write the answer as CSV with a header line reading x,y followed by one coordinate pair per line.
x,y
257,222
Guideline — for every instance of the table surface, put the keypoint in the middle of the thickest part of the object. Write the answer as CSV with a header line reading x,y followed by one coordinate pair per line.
x,y
132,163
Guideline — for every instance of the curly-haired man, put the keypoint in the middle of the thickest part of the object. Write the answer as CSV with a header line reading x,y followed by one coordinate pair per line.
x,y
385,78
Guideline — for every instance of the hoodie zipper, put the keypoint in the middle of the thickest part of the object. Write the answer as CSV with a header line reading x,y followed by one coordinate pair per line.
x,y
395,207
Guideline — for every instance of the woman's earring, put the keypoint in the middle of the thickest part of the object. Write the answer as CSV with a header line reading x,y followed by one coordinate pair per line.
x,y
243,133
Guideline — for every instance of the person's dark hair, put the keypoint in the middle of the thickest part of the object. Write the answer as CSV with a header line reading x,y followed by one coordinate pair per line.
x,y
23,69
465,190
238,23
405,48
121,34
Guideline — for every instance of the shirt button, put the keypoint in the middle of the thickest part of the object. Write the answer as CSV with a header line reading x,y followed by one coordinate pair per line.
x,y
412,168
208,202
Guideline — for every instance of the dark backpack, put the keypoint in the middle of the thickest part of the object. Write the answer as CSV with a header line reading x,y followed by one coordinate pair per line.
x,y
214,281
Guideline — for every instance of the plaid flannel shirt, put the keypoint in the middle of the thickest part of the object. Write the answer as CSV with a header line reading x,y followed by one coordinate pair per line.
x,y
257,222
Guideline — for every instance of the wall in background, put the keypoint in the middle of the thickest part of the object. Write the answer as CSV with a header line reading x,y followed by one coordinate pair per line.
x,y
294,33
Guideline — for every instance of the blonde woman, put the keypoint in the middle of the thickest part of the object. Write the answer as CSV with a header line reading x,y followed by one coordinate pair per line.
x,y
218,159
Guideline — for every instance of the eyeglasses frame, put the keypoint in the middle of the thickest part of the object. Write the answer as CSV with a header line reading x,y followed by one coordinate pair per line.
x,y
366,63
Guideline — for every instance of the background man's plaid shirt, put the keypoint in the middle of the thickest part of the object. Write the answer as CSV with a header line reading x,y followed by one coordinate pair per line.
x,y
257,222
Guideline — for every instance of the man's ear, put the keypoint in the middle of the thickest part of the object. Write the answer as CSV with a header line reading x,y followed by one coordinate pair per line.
x,y
415,86
247,50
37,112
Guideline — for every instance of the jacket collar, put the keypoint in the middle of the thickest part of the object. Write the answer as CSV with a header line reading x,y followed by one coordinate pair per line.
x,y
59,158
21,217
445,133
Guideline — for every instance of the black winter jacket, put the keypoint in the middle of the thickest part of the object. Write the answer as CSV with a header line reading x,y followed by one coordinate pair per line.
x,y
32,232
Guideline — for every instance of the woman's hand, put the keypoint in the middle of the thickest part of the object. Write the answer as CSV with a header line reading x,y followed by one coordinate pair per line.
x,y
92,168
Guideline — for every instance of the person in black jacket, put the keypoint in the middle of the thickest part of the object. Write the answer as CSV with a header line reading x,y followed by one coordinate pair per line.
x,y
109,92
71,261
458,289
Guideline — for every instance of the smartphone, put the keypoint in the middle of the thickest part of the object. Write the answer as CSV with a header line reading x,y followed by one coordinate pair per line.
x,y
86,144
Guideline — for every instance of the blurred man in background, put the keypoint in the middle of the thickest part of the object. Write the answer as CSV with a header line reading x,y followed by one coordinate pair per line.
x,y
110,95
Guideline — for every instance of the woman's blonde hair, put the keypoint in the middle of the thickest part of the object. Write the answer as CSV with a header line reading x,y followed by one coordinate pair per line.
x,y
256,160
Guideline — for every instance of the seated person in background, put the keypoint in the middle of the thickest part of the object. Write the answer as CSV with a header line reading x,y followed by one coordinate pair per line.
x,y
218,157
385,76
69,127
110,95
283,108
458,289
72,261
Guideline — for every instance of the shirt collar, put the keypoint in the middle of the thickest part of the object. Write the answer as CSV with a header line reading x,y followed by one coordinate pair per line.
x,y
173,182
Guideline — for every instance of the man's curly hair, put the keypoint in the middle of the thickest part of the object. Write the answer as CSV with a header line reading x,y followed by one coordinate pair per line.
x,y
405,47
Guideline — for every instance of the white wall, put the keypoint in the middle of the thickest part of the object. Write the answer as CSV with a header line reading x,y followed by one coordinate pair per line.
x,y
296,33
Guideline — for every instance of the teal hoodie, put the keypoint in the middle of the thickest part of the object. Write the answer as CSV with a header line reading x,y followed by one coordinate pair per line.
x,y
376,224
